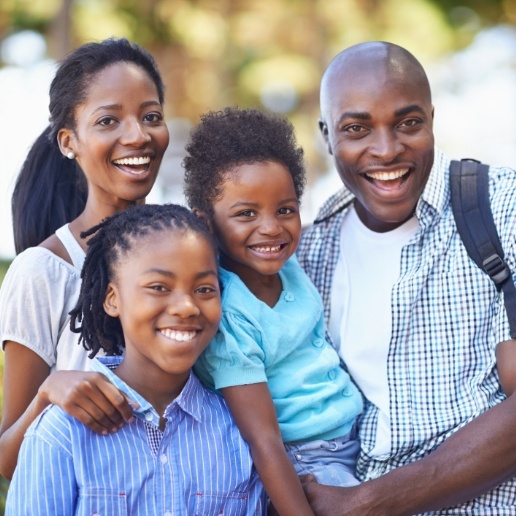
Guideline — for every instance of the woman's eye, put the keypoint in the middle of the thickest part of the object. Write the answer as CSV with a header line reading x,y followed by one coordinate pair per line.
x,y
153,117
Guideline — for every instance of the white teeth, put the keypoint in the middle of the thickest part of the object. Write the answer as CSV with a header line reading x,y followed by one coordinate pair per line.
x,y
180,336
142,160
387,176
268,249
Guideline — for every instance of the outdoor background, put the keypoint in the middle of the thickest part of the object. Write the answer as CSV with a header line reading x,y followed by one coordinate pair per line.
x,y
268,54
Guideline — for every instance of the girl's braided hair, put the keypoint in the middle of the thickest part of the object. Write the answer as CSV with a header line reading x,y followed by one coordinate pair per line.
x,y
111,240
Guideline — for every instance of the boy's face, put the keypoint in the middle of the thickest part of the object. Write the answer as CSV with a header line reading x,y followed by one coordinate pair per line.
x,y
256,220
166,295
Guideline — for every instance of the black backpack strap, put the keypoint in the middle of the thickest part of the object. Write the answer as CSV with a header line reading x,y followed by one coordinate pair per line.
x,y
472,211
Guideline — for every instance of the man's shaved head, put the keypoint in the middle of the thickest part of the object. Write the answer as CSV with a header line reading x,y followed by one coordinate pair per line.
x,y
372,57
377,122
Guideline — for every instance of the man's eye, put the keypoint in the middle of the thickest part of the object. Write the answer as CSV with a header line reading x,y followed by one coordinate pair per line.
x,y
355,128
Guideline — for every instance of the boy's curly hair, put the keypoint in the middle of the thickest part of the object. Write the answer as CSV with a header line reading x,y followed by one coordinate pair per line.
x,y
227,139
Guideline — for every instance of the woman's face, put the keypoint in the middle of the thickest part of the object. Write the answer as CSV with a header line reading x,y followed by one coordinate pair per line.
x,y
120,135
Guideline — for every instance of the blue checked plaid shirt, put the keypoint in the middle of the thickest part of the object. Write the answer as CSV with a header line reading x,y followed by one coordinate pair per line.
x,y
447,318
198,465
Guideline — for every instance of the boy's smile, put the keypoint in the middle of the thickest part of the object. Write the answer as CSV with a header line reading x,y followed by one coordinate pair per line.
x,y
256,220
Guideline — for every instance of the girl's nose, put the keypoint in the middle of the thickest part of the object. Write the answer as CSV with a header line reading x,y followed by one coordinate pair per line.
x,y
183,306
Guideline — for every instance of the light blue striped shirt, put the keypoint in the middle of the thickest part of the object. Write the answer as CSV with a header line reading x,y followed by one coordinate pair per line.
x,y
199,465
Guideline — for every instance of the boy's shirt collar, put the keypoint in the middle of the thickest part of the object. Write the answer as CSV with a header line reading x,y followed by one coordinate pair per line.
x,y
190,400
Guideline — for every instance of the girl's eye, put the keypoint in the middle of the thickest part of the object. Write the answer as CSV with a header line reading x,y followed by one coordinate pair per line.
x,y
158,288
153,117
206,290
106,121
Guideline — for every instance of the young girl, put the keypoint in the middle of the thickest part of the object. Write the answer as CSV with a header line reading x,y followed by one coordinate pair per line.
x,y
271,361
100,154
150,287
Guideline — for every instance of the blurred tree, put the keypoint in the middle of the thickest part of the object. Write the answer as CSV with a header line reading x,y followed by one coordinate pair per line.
x,y
268,53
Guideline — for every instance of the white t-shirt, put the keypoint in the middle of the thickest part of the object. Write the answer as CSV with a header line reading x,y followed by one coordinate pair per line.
x,y
361,315
37,293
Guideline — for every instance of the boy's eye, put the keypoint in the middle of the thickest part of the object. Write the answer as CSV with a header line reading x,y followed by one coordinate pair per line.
x,y
286,211
246,213
158,288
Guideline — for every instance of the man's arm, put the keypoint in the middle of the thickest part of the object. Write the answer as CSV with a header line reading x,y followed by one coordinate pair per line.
x,y
474,460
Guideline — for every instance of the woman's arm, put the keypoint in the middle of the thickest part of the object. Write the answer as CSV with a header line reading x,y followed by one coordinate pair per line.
x,y
29,388
254,413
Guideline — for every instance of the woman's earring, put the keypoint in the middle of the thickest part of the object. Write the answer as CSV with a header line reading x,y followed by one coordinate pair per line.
x,y
70,155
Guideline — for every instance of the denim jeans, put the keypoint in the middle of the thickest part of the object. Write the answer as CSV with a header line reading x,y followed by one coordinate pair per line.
x,y
331,462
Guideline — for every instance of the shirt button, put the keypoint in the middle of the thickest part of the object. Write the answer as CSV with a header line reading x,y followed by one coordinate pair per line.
x,y
289,296
168,513
332,374
318,343
347,392
299,457
164,459
148,416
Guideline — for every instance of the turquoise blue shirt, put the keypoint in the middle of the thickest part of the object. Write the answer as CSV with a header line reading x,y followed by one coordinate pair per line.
x,y
284,346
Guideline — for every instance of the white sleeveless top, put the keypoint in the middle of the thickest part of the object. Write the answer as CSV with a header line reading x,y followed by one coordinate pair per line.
x,y
37,293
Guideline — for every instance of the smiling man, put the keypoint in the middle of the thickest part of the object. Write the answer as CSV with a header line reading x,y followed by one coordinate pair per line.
x,y
415,321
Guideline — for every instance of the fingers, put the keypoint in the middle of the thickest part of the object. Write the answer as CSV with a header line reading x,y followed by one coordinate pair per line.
x,y
305,479
92,399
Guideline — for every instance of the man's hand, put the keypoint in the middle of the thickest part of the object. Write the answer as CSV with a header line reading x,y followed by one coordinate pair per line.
x,y
339,501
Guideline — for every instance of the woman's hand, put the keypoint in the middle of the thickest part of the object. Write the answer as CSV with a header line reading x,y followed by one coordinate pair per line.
x,y
89,397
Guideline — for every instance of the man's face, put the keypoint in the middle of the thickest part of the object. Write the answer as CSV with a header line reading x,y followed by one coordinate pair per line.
x,y
377,123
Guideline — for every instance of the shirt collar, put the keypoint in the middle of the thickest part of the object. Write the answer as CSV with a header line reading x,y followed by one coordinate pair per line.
x,y
190,400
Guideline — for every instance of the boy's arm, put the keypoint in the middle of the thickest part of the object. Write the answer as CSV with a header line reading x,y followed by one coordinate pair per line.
x,y
43,482
506,364
253,410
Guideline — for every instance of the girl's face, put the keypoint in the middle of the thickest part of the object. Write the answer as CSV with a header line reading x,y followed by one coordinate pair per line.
x,y
120,135
166,295
256,219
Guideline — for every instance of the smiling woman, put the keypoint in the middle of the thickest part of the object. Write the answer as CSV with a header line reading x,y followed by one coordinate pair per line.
x,y
100,154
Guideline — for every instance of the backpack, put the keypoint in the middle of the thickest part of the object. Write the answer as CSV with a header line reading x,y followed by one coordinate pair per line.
x,y
475,224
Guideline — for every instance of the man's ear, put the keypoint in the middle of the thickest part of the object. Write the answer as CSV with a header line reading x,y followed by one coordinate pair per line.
x,y
324,131
66,141
110,301
203,216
